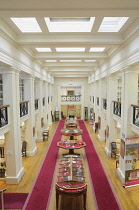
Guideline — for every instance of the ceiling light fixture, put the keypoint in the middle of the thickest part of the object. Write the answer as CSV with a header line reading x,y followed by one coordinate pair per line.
x,y
53,61
46,49
112,24
70,24
90,61
70,60
70,49
97,49
28,25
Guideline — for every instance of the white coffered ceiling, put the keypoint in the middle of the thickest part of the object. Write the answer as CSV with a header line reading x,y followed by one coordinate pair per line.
x,y
73,63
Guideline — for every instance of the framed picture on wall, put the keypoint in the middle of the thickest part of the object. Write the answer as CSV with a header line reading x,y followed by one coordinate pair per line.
x,y
70,92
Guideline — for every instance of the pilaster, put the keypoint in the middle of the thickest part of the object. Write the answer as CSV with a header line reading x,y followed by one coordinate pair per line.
x,y
30,122
39,115
14,169
110,122
102,94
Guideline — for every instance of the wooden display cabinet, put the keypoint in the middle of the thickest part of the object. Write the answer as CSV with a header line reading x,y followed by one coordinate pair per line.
x,y
2,162
71,179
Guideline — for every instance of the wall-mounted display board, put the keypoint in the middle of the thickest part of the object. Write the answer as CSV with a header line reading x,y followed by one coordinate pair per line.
x,y
131,161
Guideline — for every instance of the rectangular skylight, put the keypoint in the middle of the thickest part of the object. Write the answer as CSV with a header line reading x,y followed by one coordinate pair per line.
x,y
69,24
44,49
27,24
112,24
90,61
53,61
70,60
97,49
70,49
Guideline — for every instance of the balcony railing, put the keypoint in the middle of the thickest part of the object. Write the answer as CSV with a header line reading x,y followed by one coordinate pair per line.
x,y
71,98
105,104
43,101
93,99
3,115
23,108
135,115
97,101
117,108
36,104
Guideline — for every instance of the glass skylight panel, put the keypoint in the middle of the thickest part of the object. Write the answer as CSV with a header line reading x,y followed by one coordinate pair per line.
x,y
46,49
27,24
112,24
70,60
97,49
70,49
90,61
71,24
51,61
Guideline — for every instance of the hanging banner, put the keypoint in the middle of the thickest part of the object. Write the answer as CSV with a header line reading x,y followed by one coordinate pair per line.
x,y
131,161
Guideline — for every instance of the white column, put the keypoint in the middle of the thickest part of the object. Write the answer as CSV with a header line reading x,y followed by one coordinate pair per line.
x,y
102,94
129,96
45,111
30,122
49,106
14,169
96,93
39,128
111,123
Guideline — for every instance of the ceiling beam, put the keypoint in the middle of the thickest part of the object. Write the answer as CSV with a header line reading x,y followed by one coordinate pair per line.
x,y
61,55
67,39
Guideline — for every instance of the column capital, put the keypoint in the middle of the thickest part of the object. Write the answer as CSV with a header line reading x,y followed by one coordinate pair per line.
x,y
38,80
10,70
130,70
29,77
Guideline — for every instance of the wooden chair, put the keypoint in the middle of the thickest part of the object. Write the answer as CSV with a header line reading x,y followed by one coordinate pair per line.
x,y
24,147
114,151
45,135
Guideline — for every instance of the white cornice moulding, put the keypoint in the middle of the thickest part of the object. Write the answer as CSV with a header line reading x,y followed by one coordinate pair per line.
x,y
4,129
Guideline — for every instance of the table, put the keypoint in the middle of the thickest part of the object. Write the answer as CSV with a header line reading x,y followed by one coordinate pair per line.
x,y
71,180
73,144
71,132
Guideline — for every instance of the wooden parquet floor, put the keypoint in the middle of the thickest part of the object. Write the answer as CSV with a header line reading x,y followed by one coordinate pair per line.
x,y
127,197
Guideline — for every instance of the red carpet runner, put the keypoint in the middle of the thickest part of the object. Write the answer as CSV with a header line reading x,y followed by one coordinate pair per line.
x,y
38,197
14,200
105,198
